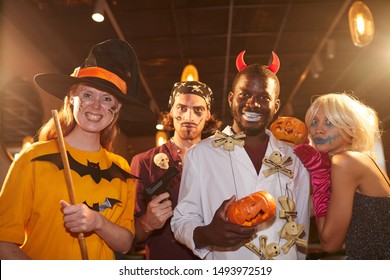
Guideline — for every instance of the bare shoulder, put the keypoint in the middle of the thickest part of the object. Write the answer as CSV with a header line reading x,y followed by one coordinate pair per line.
x,y
348,159
351,163
347,171
360,170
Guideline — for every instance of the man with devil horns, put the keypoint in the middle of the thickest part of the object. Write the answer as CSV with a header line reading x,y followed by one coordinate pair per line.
x,y
243,159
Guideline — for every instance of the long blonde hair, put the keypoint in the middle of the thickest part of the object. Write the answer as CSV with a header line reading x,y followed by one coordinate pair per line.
x,y
68,123
356,119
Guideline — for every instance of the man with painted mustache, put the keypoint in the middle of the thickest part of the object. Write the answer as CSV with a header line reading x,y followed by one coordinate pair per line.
x,y
189,117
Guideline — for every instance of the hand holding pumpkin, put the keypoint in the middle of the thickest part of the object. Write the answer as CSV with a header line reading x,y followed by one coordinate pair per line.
x,y
253,209
222,233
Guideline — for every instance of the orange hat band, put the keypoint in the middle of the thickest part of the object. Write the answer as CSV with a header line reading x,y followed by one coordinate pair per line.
x,y
101,73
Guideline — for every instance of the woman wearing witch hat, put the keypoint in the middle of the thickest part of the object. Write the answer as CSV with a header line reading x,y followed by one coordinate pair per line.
x,y
37,220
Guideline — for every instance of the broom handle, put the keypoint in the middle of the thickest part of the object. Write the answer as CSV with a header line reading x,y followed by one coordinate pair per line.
x,y
68,178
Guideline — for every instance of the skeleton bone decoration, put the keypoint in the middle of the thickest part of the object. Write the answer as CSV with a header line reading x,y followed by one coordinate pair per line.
x,y
265,252
227,141
161,160
277,163
291,230
288,208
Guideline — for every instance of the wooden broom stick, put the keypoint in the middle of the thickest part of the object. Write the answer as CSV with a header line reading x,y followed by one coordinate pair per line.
x,y
68,178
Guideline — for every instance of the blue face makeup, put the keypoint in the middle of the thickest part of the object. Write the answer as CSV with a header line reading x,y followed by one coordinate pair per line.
x,y
315,124
329,139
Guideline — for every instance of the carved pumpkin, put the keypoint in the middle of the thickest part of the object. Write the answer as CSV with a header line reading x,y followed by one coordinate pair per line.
x,y
289,129
253,209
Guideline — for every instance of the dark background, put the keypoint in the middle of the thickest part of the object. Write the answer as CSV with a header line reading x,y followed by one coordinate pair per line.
x,y
167,35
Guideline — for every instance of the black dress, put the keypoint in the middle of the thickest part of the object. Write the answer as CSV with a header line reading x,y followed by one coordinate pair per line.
x,y
368,236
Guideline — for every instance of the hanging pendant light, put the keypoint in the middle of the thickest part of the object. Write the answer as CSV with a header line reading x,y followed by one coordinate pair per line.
x,y
361,24
190,73
98,13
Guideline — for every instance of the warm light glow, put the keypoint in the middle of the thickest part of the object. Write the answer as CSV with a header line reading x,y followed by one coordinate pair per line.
x,y
361,24
97,17
159,126
190,73
98,13
161,138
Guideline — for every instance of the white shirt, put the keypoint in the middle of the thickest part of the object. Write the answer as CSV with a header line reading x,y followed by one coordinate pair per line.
x,y
212,175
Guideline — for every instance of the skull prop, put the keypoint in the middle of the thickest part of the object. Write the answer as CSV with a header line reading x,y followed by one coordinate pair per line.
x,y
266,251
161,160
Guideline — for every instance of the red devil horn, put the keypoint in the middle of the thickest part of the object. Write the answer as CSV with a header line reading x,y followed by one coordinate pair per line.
x,y
240,63
274,66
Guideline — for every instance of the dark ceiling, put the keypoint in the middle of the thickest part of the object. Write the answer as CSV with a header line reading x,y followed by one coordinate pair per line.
x,y
167,35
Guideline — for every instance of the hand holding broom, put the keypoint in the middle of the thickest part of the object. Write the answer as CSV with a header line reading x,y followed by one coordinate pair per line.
x,y
68,177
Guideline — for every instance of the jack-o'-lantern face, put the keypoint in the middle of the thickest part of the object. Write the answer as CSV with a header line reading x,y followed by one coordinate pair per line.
x,y
289,129
253,209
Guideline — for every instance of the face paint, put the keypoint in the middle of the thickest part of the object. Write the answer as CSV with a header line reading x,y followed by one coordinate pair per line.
x,y
253,103
93,109
315,123
112,110
189,113
89,98
329,139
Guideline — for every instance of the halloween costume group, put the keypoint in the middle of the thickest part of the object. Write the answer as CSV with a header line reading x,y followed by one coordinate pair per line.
x,y
32,217
216,169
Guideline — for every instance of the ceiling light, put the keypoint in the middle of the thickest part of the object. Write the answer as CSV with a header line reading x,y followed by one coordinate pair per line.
x,y
190,73
361,24
159,126
98,13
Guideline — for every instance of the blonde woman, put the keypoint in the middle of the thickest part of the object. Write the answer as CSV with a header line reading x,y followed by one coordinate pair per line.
x,y
351,194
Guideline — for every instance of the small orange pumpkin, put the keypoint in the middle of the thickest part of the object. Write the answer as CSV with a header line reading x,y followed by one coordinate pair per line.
x,y
289,129
252,209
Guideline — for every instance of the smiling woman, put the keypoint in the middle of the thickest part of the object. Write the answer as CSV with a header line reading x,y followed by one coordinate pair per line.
x,y
35,195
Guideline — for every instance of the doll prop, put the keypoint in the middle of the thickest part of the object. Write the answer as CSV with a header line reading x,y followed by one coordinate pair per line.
x,y
318,164
277,163
265,251
291,230
252,209
228,141
289,129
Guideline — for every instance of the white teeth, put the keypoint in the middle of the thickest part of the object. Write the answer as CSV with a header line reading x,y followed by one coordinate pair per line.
x,y
93,117
251,116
